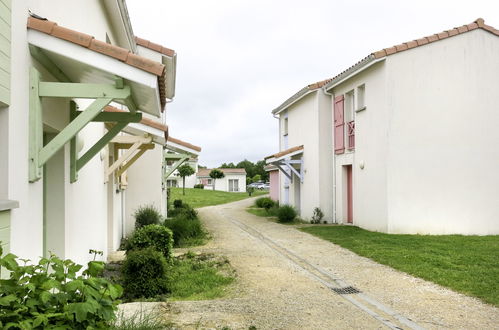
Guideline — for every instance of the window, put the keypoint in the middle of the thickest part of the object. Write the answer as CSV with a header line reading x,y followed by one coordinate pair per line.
x,y
208,182
349,105
233,184
285,130
361,98
171,183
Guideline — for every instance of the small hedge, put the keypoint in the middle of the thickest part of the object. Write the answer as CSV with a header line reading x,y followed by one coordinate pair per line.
x,y
178,203
155,236
147,215
286,213
185,211
184,228
199,186
144,274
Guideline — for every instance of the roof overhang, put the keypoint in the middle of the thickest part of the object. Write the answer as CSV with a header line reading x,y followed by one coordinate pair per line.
x,y
118,14
173,146
293,99
86,66
362,65
288,153
158,136
171,74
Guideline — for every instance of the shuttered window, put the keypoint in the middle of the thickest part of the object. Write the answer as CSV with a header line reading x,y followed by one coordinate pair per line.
x,y
339,124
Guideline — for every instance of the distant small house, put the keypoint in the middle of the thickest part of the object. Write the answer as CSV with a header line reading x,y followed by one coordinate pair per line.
x,y
234,180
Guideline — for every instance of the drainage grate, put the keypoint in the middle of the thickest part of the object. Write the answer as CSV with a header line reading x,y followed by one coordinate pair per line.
x,y
346,290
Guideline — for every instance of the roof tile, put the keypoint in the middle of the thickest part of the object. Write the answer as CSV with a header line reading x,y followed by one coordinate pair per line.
x,y
154,46
390,51
285,152
185,144
432,38
472,26
73,36
44,26
422,41
108,49
453,32
442,35
401,47
145,64
412,44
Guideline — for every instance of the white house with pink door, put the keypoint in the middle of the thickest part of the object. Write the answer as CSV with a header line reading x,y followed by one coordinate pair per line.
x,y
413,137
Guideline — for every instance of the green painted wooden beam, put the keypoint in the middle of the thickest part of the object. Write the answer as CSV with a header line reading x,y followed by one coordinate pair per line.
x,y
72,129
118,117
73,154
169,156
35,126
81,90
174,167
48,64
103,141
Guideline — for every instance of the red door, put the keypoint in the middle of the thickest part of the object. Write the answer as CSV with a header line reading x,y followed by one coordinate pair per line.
x,y
349,194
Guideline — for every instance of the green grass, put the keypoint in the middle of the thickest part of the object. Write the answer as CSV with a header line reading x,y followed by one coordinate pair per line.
x,y
272,216
199,277
141,320
467,264
201,197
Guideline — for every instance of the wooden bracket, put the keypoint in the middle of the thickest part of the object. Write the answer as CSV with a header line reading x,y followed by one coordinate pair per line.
x,y
179,160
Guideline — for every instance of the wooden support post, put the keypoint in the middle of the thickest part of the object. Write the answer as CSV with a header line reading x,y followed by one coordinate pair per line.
x,y
174,166
83,91
73,153
35,127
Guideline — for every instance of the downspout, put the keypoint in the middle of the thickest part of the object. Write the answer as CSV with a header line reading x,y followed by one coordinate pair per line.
x,y
334,162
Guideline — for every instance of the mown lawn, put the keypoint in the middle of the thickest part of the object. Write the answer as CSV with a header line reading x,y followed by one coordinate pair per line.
x,y
201,197
468,264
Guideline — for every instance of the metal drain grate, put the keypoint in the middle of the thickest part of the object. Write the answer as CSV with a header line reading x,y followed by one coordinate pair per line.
x,y
346,290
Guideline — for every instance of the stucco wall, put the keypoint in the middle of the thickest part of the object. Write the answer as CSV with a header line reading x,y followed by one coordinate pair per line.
x,y
443,154
274,185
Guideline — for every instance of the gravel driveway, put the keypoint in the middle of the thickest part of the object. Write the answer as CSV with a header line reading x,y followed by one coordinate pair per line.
x,y
287,280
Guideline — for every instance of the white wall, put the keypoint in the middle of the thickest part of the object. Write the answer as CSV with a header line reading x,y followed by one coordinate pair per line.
x,y
443,139
223,183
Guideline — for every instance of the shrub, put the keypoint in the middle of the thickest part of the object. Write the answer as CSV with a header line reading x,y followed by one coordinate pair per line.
x,y
185,211
265,203
144,274
317,216
199,186
259,202
51,295
146,215
184,228
178,203
286,213
155,236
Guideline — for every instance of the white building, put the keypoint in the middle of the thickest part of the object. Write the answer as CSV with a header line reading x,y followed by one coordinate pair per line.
x,y
178,153
233,181
82,127
412,143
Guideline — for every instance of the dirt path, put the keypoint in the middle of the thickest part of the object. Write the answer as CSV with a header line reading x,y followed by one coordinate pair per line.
x,y
286,280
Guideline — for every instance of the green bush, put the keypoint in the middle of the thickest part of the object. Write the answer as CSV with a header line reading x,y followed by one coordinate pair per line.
x,y
199,186
317,216
178,203
147,215
286,213
155,236
184,228
265,203
144,274
51,295
185,211
259,202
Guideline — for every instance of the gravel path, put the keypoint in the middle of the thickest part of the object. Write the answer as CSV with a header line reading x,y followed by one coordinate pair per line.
x,y
286,277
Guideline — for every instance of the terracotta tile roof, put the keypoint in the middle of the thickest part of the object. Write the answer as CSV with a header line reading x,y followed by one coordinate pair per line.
x,y
318,84
88,41
477,24
285,152
153,46
144,121
206,171
185,144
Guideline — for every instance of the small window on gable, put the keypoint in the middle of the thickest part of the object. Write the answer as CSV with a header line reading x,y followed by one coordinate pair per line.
x,y
361,98
285,129
107,39
349,105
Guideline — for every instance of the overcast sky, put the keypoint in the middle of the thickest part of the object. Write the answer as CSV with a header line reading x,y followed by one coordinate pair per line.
x,y
240,59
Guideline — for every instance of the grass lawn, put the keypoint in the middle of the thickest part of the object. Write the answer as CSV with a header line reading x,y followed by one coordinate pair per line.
x,y
467,264
272,216
201,197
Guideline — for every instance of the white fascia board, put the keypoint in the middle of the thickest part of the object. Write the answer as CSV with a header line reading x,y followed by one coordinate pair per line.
x,y
92,58
291,154
351,74
295,98
171,75
171,146
139,129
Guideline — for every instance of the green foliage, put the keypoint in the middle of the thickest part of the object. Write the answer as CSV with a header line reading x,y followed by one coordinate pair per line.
x,y
265,203
256,178
203,197
184,210
216,174
144,273
185,229
199,186
250,190
286,213
147,215
51,295
141,320
468,264
185,170
317,216
177,203
230,165
156,236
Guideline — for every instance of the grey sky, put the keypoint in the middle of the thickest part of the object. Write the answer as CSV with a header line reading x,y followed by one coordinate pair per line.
x,y
238,60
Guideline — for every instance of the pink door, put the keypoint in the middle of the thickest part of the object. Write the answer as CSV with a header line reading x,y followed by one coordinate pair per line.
x,y
349,194
274,185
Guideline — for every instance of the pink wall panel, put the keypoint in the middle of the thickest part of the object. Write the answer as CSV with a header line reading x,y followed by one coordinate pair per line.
x,y
274,185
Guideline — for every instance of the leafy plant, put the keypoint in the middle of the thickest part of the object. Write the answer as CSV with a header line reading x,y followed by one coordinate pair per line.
x,y
199,186
185,229
317,216
286,213
156,236
183,171
265,203
178,203
250,190
184,211
144,273
50,294
147,215
216,174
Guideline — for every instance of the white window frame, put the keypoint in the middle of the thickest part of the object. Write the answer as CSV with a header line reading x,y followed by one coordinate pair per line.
x,y
361,98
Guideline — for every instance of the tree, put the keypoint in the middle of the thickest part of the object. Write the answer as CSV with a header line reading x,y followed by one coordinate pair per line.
x,y
216,174
256,178
229,165
183,171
